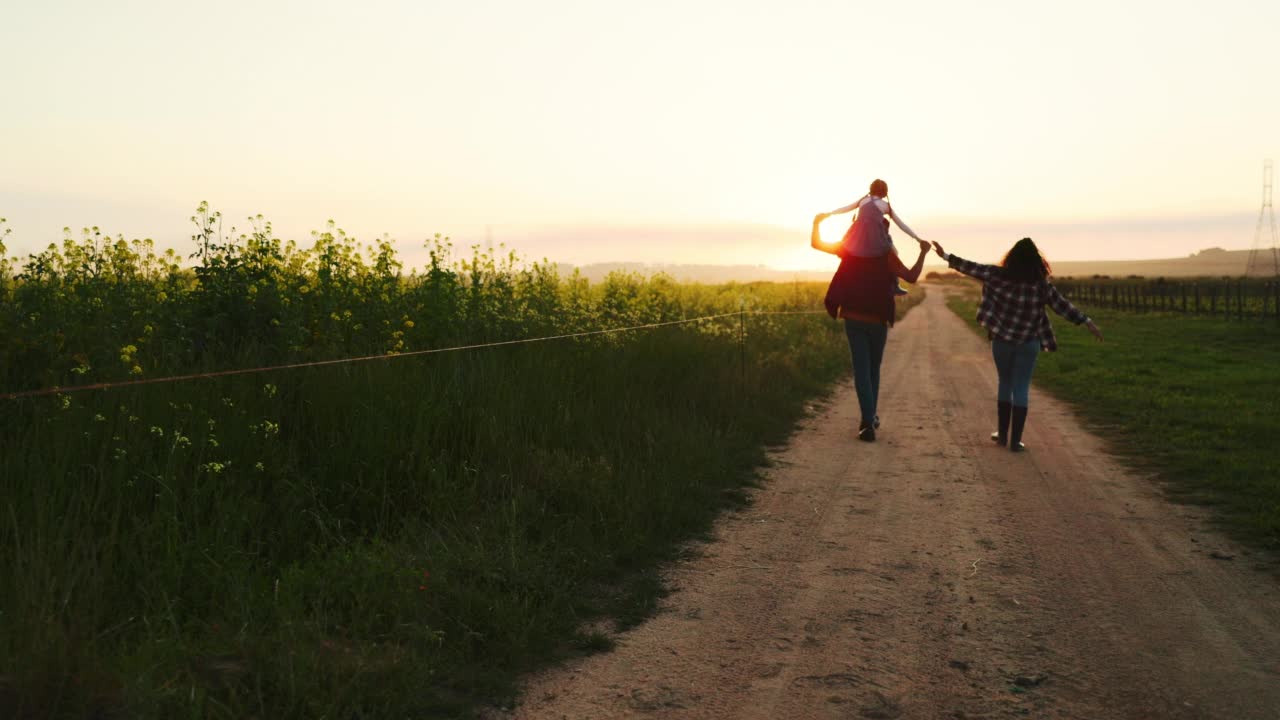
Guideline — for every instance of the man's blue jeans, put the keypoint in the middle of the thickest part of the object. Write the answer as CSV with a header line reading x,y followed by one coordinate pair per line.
x,y
1014,365
866,345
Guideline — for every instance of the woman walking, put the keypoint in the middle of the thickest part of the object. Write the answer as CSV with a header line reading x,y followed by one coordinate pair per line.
x,y
861,293
1014,295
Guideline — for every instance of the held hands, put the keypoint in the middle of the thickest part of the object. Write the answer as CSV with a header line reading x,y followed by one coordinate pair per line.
x,y
820,217
1094,329
938,248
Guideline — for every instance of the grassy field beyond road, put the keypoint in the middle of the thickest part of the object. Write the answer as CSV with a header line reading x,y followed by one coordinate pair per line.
x,y
1195,399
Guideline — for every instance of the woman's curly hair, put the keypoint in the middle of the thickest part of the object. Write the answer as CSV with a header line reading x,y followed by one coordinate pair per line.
x,y
1024,263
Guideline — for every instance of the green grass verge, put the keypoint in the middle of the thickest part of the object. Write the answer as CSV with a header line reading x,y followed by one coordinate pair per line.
x,y
1192,399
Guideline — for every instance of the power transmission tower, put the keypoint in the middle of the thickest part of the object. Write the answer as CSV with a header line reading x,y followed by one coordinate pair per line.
x,y
1258,255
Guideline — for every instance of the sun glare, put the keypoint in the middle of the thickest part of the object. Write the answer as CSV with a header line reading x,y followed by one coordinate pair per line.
x,y
801,256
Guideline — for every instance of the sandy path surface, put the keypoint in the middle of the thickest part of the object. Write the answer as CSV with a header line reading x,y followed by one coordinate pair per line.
x,y
934,575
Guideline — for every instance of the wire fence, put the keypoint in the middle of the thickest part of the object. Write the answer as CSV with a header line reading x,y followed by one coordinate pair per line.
x,y
1228,299
740,314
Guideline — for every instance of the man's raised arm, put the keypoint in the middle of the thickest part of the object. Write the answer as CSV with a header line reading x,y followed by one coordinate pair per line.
x,y
815,237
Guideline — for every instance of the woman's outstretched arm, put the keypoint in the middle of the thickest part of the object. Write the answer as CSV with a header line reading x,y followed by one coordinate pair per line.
x,y
815,237
1063,307
968,267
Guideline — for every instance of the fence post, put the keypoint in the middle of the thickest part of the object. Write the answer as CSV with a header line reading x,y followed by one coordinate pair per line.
x,y
742,338
1197,289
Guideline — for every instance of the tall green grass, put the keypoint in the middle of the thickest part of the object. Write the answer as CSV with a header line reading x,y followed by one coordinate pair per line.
x,y
1193,399
397,538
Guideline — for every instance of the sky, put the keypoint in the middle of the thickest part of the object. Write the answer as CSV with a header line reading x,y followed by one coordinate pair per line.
x,y
697,131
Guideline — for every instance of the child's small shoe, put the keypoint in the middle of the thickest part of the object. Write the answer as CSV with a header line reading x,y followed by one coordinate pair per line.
x,y
899,290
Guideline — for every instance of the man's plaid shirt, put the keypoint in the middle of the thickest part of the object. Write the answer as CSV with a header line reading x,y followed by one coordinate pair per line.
x,y
1014,311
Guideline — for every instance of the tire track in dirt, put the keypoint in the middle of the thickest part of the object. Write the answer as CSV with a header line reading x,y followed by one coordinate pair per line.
x,y
934,575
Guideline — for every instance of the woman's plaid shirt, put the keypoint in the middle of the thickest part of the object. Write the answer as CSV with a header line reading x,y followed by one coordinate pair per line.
x,y
1014,311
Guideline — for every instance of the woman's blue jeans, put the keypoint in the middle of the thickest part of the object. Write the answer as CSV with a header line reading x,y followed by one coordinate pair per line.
x,y
1014,365
866,345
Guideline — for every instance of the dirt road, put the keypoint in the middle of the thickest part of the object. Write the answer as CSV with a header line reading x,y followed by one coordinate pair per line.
x,y
934,575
